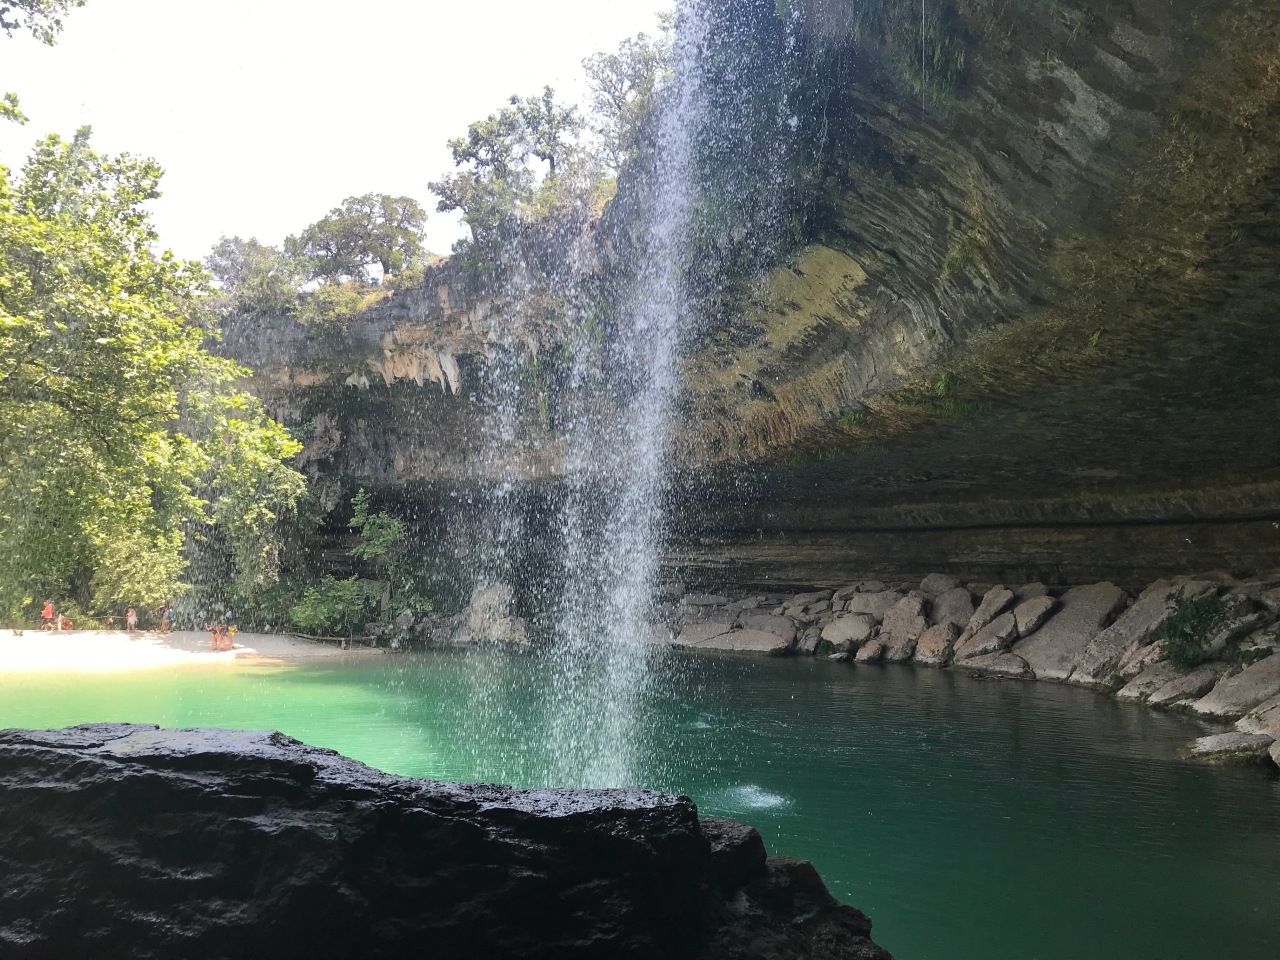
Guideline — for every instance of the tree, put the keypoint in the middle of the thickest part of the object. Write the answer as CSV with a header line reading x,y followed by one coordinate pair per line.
x,y
42,18
121,435
549,130
332,605
375,229
497,183
261,279
621,87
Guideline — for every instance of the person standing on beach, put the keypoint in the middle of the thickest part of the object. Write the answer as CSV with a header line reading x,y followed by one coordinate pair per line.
x,y
131,620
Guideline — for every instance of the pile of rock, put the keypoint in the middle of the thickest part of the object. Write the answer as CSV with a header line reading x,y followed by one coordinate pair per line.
x,y
1094,635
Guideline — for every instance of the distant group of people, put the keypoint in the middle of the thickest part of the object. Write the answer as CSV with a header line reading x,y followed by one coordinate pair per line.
x,y
53,620
222,635
163,615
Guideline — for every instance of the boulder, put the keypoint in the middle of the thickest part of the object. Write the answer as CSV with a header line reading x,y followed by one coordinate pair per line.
x,y
997,635
782,627
1002,664
804,599
1264,718
695,634
862,586
1236,696
870,652
1029,591
994,602
1233,747
809,640
177,844
1055,649
903,624
1268,638
705,600
743,641
934,646
1106,651
1241,617
936,583
1031,614
876,604
1187,686
1270,598
1140,658
849,631
1147,682
952,606
817,609
490,616
1274,752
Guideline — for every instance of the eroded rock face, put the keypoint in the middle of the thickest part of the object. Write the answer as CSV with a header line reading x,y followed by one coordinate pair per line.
x,y
129,841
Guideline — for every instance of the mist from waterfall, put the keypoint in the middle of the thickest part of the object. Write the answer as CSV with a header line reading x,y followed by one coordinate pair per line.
x,y
608,521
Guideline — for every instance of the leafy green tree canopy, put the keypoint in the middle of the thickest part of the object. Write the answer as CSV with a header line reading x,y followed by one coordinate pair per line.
x,y
121,435
375,229
621,87
500,177
261,279
42,18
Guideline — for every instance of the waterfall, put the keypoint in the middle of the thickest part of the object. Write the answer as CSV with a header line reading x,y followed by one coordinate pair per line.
x,y
619,463
608,520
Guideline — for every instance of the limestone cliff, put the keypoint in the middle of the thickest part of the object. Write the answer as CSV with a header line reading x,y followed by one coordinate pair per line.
x,y
1018,320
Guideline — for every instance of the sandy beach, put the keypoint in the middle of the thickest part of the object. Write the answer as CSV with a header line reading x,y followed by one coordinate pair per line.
x,y
101,651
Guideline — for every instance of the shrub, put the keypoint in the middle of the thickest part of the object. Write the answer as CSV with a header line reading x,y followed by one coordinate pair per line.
x,y
332,606
1186,633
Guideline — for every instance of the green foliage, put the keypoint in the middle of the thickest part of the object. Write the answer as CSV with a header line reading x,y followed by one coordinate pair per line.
x,y
621,87
332,606
1186,633
260,280
118,428
945,385
382,536
500,182
331,307
10,110
375,229
41,18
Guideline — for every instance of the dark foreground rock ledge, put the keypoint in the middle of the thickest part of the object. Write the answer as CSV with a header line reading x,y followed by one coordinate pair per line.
x,y
122,840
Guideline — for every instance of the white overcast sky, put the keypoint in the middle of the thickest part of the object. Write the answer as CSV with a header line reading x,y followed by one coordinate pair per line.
x,y
266,113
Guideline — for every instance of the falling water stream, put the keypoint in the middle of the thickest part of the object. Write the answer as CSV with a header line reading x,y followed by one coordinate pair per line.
x,y
608,526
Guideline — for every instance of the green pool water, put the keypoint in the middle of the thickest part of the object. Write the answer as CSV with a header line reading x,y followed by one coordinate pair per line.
x,y
969,819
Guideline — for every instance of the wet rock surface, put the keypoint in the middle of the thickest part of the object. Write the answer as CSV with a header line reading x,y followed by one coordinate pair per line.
x,y
121,840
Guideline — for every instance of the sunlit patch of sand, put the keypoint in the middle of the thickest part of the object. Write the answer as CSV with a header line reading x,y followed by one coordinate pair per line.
x,y
101,651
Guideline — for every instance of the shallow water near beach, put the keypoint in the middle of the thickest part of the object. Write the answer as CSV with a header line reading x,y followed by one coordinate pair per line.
x,y
970,819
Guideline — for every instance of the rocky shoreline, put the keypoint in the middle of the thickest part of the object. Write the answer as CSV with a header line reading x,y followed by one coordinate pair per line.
x,y
1095,635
